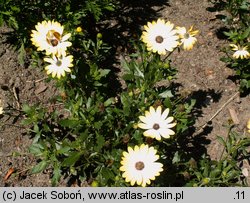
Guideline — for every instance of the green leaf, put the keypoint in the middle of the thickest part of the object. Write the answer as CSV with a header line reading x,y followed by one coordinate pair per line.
x,y
1,19
27,121
128,77
69,123
138,136
100,141
214,173
64,150
108,102
126,104
221,140
39,167
166,94
56,175
125,66
72,159
176,158
246,33
106,173
26,108
36,149
167,103
89,103
104,72
138,72
98,125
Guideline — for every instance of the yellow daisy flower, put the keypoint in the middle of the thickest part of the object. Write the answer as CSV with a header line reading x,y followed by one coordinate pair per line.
x,y
59,65
139,166
240,52
49,36
187,37
156,123
160,36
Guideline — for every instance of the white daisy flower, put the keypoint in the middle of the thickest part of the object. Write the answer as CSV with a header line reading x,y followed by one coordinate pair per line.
x,y
240,52
139,166
49,36
187,37
156,123
59,65
160,36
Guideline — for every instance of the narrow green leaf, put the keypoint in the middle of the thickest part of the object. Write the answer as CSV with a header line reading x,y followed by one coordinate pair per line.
x,y
221,140
39,167
104,72
69,123
56,175
36,149
72,159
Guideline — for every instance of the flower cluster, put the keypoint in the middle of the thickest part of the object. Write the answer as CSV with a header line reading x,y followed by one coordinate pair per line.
x,y
49,36
139,164
160,36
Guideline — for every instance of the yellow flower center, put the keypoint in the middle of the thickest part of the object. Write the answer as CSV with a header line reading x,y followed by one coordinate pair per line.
x,y
156,126
159,39
139,165
53,37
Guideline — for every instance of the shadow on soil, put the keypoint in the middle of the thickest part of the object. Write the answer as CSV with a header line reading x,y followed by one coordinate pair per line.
x,y
191,145
122,29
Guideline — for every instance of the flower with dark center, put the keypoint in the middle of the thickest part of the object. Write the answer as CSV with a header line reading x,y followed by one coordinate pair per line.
x,y
157,123
49,36
160,37
139,165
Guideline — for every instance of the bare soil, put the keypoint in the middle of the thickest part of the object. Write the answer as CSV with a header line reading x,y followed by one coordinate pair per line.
x,y
201,74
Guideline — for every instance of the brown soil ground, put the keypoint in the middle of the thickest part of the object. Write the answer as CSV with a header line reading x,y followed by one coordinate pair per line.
x,y
200,74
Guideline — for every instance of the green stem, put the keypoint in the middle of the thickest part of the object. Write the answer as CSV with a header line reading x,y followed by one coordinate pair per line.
x,y
228,134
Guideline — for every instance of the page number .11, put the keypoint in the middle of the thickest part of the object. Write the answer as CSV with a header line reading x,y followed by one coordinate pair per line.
x,y
240,195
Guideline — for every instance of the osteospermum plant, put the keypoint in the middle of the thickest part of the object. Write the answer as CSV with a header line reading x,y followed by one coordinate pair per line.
x,y
99,127
237,51
108,138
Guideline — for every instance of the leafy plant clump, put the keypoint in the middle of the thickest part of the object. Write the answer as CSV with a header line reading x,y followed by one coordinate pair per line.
x,y
237,22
